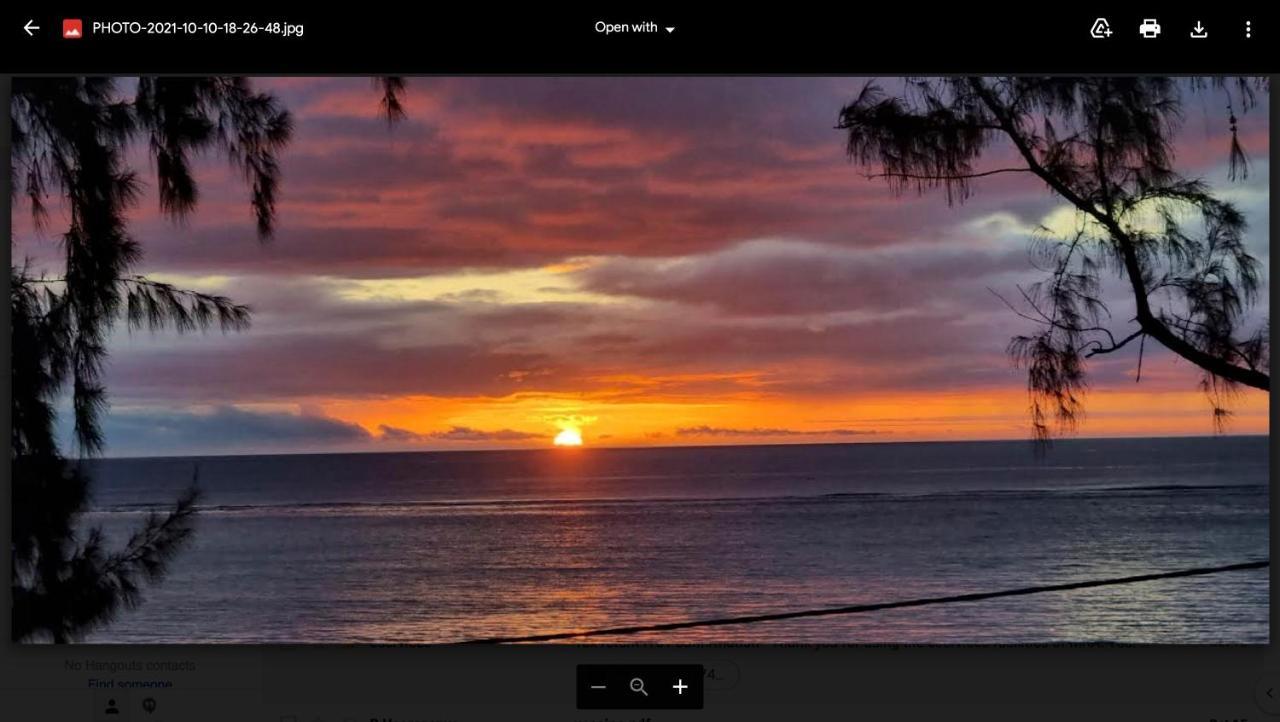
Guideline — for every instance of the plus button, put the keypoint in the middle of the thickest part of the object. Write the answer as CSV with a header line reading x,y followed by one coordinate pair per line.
x,y
679,686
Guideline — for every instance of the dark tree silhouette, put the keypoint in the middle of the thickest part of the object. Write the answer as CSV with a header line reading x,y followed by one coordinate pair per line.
x,y
1104,145
392,103
71,137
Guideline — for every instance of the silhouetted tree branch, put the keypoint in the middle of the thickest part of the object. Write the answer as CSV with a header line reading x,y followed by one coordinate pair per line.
x,y
1104,145
71,137
392,103
1115,345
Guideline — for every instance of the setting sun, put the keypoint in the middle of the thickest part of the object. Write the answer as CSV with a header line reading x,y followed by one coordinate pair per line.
x,y
569,437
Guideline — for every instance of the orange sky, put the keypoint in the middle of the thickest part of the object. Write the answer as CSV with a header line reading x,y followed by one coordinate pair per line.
x,y
652,261
994,414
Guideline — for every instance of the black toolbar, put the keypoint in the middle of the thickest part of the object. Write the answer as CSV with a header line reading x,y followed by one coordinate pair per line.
x,y
640,40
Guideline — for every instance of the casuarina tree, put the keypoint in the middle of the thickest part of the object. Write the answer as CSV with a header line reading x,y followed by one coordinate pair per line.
x,y
71,143
1105,146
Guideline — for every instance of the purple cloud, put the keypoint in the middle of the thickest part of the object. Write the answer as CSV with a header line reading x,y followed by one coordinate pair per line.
x,y
455,433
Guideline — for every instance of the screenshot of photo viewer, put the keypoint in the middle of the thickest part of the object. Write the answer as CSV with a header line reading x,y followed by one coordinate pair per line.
x,y
638,365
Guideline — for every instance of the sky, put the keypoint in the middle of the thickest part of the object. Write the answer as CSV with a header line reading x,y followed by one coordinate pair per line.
x,y
648,261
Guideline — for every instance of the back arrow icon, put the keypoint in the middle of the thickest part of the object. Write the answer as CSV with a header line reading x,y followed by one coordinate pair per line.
x,y
31,27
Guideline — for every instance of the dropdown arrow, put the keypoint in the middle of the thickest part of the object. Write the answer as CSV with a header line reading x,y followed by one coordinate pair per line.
x,y
671,28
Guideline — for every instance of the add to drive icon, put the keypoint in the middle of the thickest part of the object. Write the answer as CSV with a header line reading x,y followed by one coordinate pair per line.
x,y
72,29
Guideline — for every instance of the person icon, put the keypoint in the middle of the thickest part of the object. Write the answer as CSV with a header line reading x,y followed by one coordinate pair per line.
x,y
111,707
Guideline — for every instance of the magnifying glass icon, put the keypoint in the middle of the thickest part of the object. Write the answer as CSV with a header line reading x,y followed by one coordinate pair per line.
x,y
637,685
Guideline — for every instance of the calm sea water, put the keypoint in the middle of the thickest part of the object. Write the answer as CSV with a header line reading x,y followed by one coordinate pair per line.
x,y
445,547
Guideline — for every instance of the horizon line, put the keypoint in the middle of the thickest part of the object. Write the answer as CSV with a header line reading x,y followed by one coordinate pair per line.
x,y
587,448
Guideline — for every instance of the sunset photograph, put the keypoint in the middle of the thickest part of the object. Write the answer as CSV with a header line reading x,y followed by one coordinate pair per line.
x,y
656,360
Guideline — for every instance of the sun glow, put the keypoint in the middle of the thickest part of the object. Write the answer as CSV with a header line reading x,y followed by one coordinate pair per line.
x,y
569,437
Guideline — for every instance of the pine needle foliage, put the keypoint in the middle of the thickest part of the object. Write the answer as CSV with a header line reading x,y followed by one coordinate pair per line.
x,y
71,147
1106,147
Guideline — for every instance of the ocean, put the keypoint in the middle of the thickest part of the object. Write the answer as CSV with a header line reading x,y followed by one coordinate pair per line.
x,y
417,548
